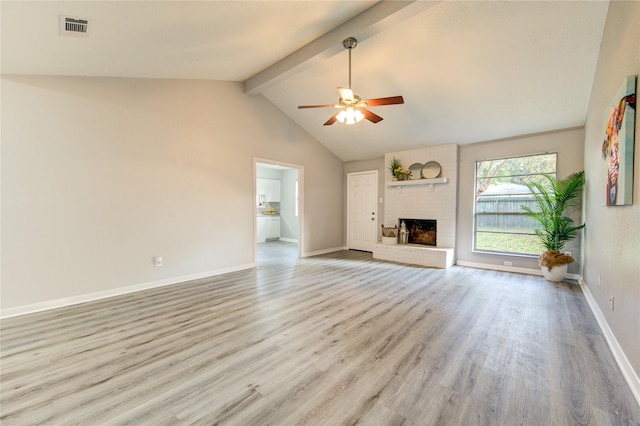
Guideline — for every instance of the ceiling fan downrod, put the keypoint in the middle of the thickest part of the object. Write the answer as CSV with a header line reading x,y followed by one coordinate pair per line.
x,y
349,43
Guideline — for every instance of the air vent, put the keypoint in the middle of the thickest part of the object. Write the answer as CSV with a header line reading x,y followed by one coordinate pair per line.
x,y
73,26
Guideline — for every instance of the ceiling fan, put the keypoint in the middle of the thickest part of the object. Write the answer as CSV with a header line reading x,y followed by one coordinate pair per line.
x,y
352,108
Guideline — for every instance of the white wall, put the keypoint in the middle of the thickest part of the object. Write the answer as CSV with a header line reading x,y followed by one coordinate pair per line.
x,y
289,222
569,146
612,239
101,174
268,173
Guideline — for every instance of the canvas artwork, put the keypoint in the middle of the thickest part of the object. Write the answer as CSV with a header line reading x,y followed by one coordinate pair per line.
x,y
618,145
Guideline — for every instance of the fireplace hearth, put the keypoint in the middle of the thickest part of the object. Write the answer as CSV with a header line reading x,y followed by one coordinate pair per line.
x,y
421,231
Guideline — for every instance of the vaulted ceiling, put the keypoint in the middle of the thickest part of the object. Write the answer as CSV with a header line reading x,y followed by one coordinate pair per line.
x,y
469,71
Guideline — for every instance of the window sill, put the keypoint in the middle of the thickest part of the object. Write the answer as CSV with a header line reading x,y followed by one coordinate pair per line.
x,y
504,253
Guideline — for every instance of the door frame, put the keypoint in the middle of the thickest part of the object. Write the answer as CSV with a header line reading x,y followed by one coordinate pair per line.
x,y
376,172
300,169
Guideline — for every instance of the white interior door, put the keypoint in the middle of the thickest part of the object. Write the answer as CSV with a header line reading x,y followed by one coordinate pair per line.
x,y
362,210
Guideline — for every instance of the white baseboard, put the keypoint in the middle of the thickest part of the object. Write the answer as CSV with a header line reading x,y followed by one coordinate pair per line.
x,y
499,268
621,359
90,297
514,269
289,240
324,251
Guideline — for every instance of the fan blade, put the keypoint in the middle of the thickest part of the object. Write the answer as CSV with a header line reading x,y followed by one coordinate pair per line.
x,y
374,118
392,100
332,120
315,106
346,94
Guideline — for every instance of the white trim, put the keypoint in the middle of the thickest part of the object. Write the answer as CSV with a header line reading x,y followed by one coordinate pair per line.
x,y
502,268
324,251
514,269
90,297
288,240
621,359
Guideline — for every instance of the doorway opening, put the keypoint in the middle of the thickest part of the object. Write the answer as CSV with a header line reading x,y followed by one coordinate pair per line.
x,y
278,211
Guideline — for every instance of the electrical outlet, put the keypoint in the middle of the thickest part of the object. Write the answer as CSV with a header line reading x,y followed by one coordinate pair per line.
x,y
507,263
568,253
157,261
612,300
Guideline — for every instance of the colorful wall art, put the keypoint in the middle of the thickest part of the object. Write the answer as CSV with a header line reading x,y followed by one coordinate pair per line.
x,y
617,148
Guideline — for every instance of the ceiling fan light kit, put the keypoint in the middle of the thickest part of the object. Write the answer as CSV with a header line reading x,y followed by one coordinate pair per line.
x,y
352,107
350,115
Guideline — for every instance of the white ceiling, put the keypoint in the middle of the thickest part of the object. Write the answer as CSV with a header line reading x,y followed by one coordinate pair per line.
x,y
469,71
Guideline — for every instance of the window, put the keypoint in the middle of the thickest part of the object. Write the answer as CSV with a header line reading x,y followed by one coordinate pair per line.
x,y
499,224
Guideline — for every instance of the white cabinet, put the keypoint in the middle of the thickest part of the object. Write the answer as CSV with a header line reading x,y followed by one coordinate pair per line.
x,y
261,231
273,228
267,228
270,188
273,190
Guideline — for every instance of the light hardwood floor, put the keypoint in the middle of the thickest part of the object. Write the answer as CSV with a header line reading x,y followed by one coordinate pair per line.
x,y
328,340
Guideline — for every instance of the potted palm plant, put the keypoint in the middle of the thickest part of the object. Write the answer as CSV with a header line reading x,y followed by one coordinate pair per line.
x,y
553,198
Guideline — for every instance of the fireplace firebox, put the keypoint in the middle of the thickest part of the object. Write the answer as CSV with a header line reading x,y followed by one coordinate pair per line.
x,y
421,231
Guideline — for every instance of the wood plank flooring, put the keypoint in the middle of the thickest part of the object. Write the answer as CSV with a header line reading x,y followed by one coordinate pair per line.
x,y
328,340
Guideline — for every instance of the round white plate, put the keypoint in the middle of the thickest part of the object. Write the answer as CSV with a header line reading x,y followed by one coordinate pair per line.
x,y
430,170
416,171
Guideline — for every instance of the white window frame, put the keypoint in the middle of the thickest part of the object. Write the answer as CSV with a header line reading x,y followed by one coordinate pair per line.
x,y
476,214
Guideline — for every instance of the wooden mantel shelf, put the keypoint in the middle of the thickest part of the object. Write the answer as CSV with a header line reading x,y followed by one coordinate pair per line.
x,y
417,182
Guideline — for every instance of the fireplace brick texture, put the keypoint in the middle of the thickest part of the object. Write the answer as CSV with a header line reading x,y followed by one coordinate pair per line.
x,y
429,201
415,255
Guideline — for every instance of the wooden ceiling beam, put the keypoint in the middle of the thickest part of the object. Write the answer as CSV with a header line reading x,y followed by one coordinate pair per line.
x,y
372,21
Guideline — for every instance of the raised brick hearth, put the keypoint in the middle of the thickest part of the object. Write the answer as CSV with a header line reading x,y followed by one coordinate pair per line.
x,y
415,254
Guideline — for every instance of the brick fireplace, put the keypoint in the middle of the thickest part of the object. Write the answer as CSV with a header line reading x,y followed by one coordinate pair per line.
x,y
433,203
